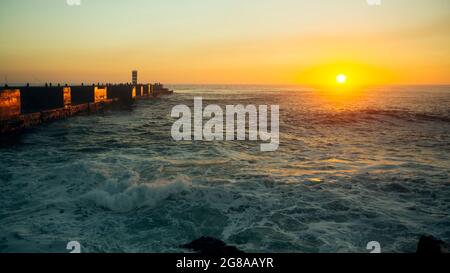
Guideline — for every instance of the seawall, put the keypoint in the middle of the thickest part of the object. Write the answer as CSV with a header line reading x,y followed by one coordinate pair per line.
x,y
26,107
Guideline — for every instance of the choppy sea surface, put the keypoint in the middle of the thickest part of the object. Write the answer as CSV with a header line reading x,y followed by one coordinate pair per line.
x,y
371,166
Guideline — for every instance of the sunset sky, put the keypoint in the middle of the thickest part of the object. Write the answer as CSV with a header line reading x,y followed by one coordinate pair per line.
x,y
225,41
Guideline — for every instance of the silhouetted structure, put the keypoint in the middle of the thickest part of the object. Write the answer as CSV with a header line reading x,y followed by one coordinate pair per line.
x,y
134,77
25,107
37,99
88,94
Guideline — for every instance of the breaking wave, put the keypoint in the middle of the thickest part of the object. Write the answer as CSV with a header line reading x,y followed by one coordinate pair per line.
x,y
124,196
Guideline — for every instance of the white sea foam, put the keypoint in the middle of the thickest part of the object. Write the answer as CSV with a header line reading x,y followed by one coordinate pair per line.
x,y
130,195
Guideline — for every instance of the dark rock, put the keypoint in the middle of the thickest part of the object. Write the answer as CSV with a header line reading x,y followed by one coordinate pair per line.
x,y
430,245
212,246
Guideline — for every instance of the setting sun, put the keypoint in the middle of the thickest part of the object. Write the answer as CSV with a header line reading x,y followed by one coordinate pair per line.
x,y
341,79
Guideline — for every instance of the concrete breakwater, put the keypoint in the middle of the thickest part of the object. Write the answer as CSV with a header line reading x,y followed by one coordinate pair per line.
x,y
25,107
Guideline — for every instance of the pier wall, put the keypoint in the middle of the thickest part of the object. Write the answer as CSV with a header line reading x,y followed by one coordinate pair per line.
x,y
82,94
139,90
100,94
120,92
67,96
9,104
88,94
38,99
159,89
146,90
152,89
25,107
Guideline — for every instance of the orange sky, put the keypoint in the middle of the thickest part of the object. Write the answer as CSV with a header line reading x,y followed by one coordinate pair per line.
x,y
252,42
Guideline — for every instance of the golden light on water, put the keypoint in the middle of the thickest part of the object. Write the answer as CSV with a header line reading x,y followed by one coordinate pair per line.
x,y
344,76
339,85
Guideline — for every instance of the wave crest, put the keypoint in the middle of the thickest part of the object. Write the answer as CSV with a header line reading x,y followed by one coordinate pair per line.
x,y
137,195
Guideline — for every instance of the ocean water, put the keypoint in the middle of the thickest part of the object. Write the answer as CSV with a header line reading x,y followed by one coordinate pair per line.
x,y
373,166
